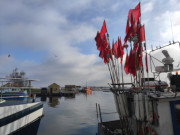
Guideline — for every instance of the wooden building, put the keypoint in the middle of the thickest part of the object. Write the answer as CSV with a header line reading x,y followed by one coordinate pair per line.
x,y
54,89
70,87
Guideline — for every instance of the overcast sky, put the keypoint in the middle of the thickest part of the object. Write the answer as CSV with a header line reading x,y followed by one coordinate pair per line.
x,y
53,40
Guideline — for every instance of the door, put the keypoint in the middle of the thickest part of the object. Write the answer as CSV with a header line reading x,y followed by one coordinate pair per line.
x,y
175,113
51,90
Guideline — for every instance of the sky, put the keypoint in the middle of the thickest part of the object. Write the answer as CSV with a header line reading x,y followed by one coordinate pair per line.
x,y
53,40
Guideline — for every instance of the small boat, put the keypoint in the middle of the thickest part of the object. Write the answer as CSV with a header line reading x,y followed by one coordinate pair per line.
x,y
87,90
19,116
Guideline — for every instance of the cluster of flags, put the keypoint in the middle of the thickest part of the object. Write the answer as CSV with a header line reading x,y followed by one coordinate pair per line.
x,y
103,45
135,35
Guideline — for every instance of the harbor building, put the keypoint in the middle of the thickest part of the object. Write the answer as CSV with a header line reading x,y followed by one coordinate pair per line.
x,y
54,89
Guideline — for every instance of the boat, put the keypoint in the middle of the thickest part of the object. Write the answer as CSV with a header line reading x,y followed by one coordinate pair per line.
x,y
16,93
19,116
87,90
145,105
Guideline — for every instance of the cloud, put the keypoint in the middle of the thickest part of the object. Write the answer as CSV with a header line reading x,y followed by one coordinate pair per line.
x,y
147,7
64,31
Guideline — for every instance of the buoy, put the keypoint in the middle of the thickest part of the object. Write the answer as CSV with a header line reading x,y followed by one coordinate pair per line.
x,y
136,106
141,105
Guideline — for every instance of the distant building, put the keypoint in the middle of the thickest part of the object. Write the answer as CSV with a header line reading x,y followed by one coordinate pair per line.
x,y
44,91
53,88
70,87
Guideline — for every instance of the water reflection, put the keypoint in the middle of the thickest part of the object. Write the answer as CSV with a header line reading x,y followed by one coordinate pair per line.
x,y
44,98
53,101
69,97
75,115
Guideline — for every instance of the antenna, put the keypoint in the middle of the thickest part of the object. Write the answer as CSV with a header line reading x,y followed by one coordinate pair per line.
x,y
171,28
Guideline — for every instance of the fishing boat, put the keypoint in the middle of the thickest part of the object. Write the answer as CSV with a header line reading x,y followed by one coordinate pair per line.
x,y
145,105
16,93
87,90
19,116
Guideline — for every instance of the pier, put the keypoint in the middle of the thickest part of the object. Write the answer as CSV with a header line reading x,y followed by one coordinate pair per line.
x,y
62,93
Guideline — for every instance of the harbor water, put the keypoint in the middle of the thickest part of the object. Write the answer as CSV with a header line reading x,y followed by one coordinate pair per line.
x,y
75,115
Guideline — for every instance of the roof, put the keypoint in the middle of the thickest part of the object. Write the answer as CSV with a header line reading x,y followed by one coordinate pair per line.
x,y
54,84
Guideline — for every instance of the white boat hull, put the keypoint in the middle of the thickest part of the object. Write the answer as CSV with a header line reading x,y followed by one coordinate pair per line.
x,y
25,116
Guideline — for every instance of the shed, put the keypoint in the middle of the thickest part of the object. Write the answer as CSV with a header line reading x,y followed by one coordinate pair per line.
x,y
53,89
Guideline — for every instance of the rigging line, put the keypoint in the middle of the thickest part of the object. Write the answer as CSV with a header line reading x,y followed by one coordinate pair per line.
x,y
153,57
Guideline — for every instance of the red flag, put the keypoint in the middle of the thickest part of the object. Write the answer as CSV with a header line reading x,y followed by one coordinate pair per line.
x,y
127,26
101,43
104,42
131,63
141,34
106,55
130,31
138,26
139,56
103,29
101,54
115,49
120,49
136,12
126,64
98,41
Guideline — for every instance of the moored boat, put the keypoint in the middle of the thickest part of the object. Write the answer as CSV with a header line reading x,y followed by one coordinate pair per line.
x,y
11,94
19,116
16,116
87,90
149,105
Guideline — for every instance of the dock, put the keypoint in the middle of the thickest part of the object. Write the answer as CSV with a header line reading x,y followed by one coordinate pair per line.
x,y
62,93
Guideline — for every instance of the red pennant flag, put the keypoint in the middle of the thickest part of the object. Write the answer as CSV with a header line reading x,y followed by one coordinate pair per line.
x,y
120,49
98,41
141,34
126,64
130,31
136,12
101,43
115,49
139,56
106,55
103,29
138,26
131,63
101,53
127,26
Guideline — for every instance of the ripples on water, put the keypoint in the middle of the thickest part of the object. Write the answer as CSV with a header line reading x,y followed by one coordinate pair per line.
x,y
75,116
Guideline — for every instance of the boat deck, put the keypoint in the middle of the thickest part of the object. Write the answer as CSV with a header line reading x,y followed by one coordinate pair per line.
x,y
12,102
116,127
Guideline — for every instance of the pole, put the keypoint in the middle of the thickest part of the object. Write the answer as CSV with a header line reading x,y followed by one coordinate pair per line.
x,y
1,89
122,76
100,113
